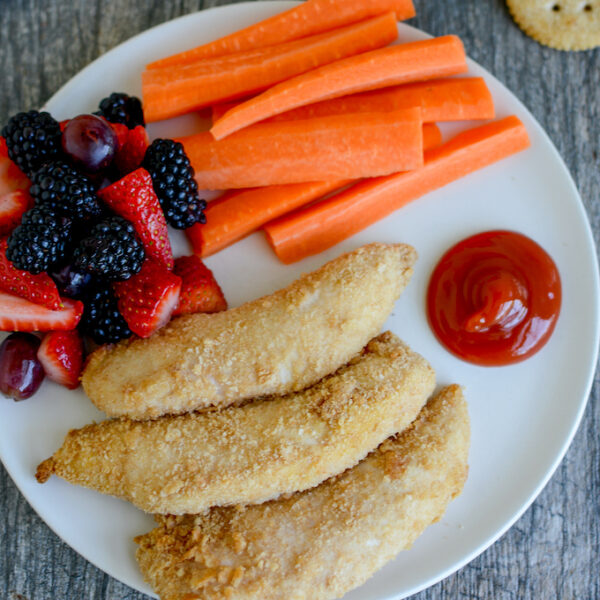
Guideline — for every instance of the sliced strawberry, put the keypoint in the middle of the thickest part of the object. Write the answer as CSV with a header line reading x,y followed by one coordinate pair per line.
x,y
11,177
61,355
18,314
133,198
200,291
194,235
121,131
131,153
12,208
147,300
37,288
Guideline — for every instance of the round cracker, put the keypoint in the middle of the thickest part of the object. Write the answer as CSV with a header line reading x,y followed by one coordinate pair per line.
x,y
560,24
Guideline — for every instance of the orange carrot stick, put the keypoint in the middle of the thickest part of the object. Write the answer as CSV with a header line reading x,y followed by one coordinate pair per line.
x,y
415,61
173,91
238,213
322,225
328,148
310,18
432,136
440,100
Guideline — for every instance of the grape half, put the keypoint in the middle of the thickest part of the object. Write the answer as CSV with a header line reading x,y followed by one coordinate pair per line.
x,y
21,373
90,142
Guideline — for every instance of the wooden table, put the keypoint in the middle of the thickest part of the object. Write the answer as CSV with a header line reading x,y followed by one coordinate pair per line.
x,y
553,551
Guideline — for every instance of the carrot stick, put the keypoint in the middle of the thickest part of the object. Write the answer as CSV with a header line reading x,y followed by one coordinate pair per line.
x,y
328,148
322,225
310,18
173,91
237,213
439,100
432,136
426,59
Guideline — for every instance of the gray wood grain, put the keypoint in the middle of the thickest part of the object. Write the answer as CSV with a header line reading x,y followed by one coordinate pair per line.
x,y
553,551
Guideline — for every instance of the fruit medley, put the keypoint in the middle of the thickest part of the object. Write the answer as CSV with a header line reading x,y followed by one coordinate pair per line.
x,y
84,246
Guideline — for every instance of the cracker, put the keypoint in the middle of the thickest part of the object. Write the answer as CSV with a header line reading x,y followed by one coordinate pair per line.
x,y
560,24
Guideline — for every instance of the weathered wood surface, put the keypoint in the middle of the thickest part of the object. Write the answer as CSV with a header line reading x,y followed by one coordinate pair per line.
x,y
553,551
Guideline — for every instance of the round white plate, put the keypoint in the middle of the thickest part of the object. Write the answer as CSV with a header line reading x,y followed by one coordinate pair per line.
x,y
523,416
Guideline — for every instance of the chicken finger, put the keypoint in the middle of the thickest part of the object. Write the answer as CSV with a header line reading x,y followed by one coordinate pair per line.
x,y
256,452
321,543
274,345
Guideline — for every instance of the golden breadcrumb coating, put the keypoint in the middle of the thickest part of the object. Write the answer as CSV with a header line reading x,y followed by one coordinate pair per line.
x,y
321,543
251,453
274,345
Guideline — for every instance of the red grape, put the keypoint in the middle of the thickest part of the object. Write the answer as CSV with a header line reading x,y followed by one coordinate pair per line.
x,y
20,371
90,143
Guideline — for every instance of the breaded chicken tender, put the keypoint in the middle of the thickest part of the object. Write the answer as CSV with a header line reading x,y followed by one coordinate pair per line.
x,y
321,543
256,452
274,345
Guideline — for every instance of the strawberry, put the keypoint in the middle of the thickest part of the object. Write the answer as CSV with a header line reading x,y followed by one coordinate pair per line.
x,y
61,355
36,288
122,133
11,177
195,238
131,154
133,198
12,207
200,292
18,314
63,124
147,299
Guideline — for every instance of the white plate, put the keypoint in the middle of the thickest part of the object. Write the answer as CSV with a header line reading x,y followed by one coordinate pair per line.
x,y
523,416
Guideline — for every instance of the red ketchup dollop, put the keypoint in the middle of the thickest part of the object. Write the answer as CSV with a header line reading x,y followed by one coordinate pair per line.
x,y
494,298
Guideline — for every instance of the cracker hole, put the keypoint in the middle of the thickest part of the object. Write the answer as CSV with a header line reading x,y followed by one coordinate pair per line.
x,y
556,7
587,8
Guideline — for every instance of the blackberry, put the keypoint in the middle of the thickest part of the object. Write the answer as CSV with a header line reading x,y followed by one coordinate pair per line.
x,y
174,183
101,319
66,190
32,138
41,241
121,108
111,250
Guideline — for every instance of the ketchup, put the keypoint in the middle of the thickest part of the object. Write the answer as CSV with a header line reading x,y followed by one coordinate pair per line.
x,y
494,298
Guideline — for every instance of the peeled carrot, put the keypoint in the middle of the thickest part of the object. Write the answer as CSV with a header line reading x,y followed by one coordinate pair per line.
x,y
172,91
238,213
310,18
432,136
328,148
322,225
439,100
415,61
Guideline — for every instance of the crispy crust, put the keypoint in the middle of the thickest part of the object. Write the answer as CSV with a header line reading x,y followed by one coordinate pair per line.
x,y
255,452
274,345
321,543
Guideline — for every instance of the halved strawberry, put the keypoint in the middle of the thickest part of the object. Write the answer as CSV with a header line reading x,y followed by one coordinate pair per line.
x,y
200,291
131,154
122,133
133,198
12,207
147,299
37,288
18,314
61,355
11,177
